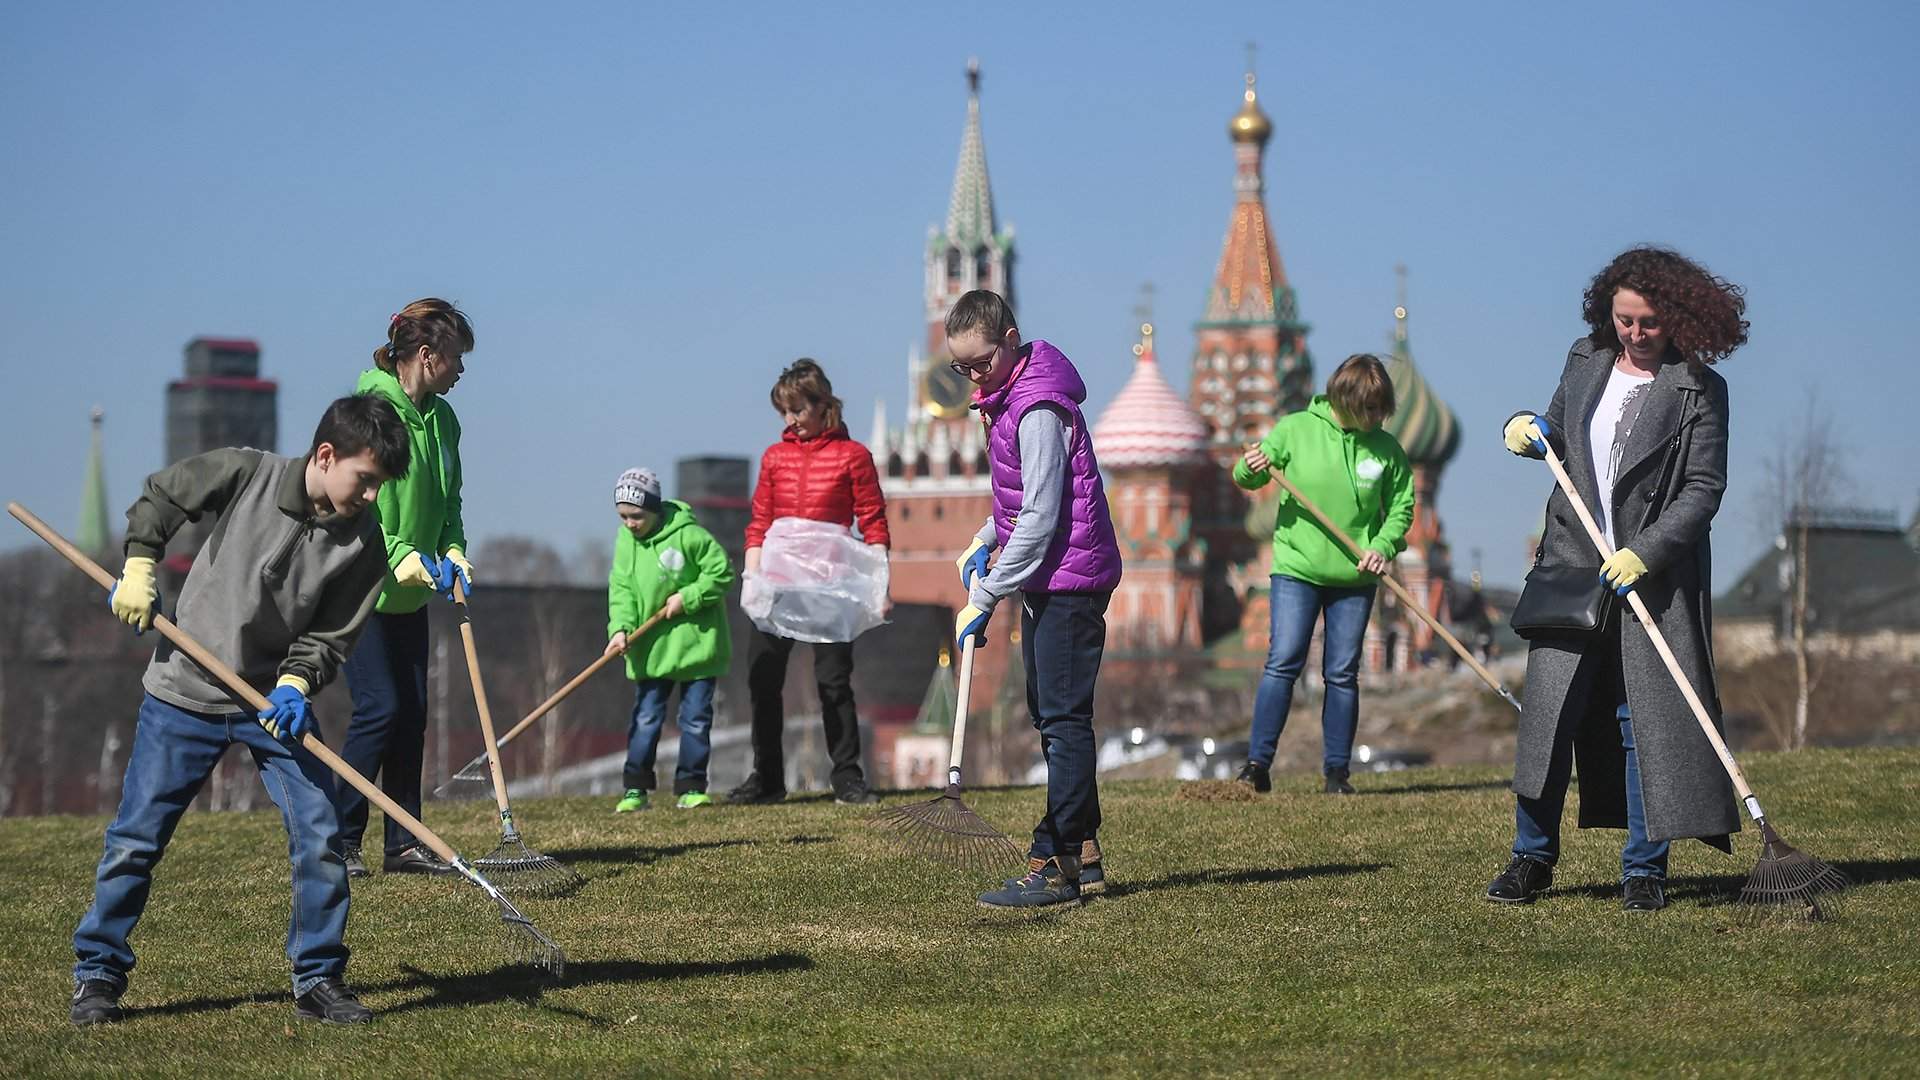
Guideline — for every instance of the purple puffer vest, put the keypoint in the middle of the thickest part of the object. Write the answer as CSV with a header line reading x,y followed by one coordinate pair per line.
x,y
1083,556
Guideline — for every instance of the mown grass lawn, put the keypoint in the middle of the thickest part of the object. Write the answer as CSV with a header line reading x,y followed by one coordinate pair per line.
x,y
1295,933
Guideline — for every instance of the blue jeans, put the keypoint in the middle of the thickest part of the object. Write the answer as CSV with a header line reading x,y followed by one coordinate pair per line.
x,y
643,734
173,752
1062,639
387,672
1536,831
1294,606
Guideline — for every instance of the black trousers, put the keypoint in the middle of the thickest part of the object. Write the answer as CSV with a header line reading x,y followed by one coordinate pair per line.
x,y
833,673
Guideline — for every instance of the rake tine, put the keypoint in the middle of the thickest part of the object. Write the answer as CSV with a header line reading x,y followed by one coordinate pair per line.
x,y
1789,882
521,938
528,872
473,772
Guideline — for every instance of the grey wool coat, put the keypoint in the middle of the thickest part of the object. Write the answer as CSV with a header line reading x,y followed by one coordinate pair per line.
x,y
1673,471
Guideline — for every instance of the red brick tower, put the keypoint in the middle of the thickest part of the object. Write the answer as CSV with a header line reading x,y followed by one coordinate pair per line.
x,y
1250,367
934,468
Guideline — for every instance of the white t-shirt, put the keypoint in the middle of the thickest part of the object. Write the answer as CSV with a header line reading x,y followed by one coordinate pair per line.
x,y
1607,436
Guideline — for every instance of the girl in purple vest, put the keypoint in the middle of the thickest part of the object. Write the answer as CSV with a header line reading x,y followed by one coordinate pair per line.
x,y
1057,550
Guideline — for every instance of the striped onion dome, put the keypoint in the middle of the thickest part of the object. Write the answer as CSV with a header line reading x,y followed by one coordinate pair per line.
x,y
1148,424
1427,430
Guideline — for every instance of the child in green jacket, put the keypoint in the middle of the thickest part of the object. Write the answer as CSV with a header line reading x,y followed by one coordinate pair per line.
x,y
1337,455
663,561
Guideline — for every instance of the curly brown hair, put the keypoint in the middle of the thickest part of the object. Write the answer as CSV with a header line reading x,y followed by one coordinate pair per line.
x,y
1701,312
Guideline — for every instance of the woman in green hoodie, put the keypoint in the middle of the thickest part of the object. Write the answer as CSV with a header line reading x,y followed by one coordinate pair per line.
x,y
664,562
420,516
1337,455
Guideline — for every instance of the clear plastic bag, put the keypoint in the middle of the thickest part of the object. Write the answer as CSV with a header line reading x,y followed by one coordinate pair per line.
x,y
817,582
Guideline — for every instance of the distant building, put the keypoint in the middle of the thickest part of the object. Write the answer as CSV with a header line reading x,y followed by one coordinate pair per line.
x,y
1863,589
718,490
221,401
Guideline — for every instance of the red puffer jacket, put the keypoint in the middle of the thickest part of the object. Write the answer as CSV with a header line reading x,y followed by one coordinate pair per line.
x,y
827,478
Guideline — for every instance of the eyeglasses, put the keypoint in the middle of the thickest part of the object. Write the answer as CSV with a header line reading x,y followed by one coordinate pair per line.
x,y
975,367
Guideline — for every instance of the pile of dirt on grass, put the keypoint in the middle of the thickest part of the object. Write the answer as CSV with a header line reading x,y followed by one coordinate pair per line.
x,y
1214,791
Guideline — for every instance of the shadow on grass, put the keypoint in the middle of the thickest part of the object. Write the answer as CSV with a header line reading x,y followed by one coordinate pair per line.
x,y
508,982
1428,789
645,855
1188,879
1712,890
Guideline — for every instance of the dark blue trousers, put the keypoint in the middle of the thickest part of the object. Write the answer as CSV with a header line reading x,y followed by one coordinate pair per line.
x,y
1062,638
387,673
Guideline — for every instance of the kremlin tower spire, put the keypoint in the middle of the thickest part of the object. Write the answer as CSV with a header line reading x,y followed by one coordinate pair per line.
x,y
973,252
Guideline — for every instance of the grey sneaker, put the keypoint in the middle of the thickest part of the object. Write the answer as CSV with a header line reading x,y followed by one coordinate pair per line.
x,y
356,866
1049,882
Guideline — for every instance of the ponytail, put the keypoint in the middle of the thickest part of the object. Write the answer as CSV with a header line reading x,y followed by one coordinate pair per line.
x,y
432,322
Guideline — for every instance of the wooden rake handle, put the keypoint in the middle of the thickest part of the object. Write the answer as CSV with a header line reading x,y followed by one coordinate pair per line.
x,y
219,670
480,698
1659,641
574,683
960,712
1398,589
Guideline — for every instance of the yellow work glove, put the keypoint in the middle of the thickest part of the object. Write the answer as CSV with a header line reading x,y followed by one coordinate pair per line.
x,y
1526,432
413,570
142,597
1622,570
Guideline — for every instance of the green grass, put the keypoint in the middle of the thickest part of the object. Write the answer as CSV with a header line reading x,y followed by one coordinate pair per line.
x,y
1296,933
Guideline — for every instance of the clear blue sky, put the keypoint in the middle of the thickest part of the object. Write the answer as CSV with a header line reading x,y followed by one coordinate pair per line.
x,y
648,211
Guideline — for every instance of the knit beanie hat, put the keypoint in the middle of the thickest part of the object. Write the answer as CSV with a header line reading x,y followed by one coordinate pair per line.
x,y
638,487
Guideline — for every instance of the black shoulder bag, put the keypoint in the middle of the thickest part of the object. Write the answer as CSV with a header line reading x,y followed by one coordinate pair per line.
x,y
1574,601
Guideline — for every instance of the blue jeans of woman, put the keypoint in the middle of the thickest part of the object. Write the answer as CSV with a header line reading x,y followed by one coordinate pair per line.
x,y
1536,832
1063,637
643,734
1294,606
173,753
387,672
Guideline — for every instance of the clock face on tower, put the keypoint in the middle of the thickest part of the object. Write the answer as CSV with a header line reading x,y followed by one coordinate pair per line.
x,y
948,391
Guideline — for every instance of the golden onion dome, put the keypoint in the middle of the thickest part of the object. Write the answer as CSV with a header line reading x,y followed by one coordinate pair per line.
x,y
1250,125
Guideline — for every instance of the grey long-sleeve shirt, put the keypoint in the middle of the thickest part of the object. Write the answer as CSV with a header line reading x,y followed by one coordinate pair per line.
x,y
1045,439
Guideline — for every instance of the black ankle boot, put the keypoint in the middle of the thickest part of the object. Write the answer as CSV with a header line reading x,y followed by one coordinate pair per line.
x,y
1337,783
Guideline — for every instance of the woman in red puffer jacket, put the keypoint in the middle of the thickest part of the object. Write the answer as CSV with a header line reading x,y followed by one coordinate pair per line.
x,y
816,471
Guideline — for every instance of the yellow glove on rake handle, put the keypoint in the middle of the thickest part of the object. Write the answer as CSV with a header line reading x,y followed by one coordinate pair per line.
x,y
135,597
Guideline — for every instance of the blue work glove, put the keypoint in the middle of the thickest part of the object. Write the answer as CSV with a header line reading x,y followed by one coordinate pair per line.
x,y
970,623
455,562
973,562
288,716
444,575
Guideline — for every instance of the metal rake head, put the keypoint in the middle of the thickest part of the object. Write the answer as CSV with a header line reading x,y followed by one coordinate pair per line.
x,y
1788,882
469,782
946,830
526,942
521,870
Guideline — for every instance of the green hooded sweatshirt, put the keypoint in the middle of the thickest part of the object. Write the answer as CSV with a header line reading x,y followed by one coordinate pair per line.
x,y
678,556
421,511
1360,479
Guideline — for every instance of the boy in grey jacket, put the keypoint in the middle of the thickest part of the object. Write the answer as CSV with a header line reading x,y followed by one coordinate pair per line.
x,y
279,591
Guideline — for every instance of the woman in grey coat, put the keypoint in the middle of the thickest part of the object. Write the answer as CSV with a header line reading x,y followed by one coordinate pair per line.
x,y
1640,418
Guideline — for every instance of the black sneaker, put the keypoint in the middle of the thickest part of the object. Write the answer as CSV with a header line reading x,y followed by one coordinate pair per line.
x,y
330,1002
356,866
756,794
1337,783
1521,881
856,794
417,860
1255,774
95,1001
1642,893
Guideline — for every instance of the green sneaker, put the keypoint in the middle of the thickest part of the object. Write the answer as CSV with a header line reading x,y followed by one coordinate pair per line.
x,y
693,799
634,799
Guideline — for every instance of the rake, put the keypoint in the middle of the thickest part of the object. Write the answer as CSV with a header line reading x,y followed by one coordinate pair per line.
x,y
475,772
521,868
946,829
1399,590
521,938
1785,877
